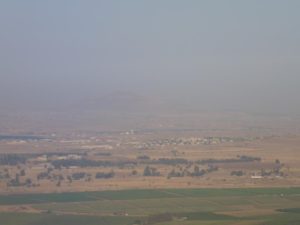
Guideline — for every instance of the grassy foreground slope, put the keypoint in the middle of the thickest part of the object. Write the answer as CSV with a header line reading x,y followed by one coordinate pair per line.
x,y
45,219
258,206
141,194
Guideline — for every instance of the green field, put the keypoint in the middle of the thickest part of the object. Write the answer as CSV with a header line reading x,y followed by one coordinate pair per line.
x,y
259,206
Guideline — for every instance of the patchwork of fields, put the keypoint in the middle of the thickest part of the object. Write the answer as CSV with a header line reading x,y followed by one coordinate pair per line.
x,y
260,206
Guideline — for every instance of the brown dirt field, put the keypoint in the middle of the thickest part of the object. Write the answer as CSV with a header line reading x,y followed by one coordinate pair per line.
x,y
284,148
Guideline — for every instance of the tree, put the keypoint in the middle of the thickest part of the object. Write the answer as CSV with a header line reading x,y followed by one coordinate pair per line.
x,y
237,173
151,171
17,178
147,171
196,170
28,182
22,173
101,175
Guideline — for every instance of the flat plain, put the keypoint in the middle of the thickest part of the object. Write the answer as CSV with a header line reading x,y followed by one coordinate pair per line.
x,y
223,173
263,206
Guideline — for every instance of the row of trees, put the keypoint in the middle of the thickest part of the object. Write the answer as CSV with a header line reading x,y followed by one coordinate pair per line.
x,y
12,159
58,164
75,176
197,172
239,159
15,182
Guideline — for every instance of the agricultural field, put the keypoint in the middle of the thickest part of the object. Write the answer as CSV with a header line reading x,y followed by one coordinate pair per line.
x,y
170,177
95,162
259,206
149,112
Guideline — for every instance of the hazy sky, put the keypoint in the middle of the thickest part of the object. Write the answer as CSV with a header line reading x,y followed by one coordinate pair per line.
x,y
241,55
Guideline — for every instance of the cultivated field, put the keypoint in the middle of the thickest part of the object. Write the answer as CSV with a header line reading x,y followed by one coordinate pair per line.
x,y
235,175
134,161
165,206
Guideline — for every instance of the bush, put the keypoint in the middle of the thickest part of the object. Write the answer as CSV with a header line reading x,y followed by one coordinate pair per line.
x,y
101,175
151,171
78,176
237,173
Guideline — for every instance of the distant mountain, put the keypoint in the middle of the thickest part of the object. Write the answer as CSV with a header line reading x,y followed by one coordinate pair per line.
x,y
122,101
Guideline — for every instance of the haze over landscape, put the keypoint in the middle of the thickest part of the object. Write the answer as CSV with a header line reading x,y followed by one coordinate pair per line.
x,y
204,55
149,112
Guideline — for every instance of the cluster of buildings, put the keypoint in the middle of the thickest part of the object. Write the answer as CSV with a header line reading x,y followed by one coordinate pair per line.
x,y
183,141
